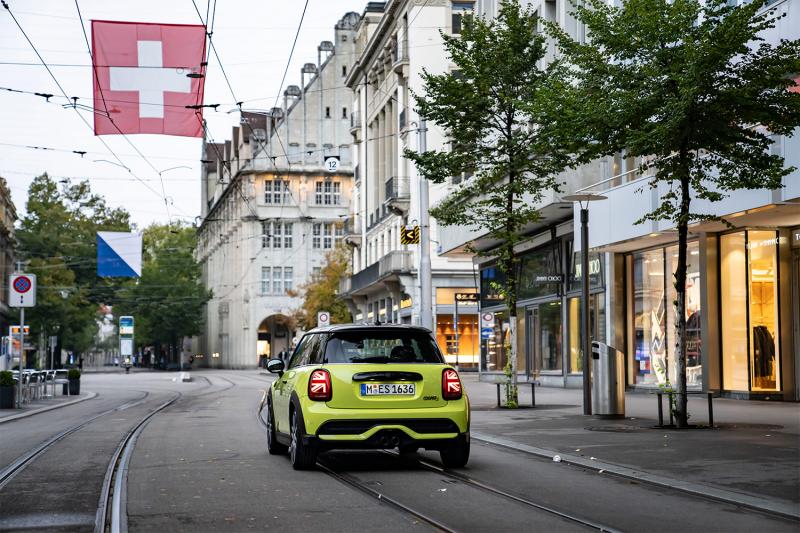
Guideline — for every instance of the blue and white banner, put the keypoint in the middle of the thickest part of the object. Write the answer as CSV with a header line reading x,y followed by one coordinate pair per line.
x,y
119,254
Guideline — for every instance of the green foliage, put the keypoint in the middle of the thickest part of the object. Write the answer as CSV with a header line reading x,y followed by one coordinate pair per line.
x,y
57,237
494,112
320,294
168,301
73,373
691,87
6,378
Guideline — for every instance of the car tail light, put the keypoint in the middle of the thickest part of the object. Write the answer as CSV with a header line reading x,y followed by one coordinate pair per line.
x,y
319,386
451,385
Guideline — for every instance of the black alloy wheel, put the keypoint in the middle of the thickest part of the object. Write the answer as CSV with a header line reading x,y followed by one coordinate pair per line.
x,y
273,446
303,456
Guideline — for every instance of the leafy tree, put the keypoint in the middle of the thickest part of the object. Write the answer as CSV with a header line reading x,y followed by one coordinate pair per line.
x,y
493,110
692,86
168,301
320,293
57,238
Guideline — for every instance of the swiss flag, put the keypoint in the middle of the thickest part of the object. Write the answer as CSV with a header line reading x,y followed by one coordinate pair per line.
x,y
140,78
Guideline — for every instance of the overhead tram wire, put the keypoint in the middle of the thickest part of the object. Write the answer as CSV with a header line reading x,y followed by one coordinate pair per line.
x,y
111,119
74,107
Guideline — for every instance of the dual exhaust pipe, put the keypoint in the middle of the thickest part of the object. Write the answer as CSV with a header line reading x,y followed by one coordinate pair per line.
x,y
389,441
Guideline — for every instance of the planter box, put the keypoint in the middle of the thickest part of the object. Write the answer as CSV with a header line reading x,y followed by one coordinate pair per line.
x,y
7,397
74,387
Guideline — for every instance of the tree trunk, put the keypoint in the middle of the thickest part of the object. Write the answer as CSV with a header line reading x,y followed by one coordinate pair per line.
x,y
511,297
681,408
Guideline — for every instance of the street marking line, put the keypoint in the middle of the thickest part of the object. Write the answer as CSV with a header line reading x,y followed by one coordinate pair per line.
x,y
786,510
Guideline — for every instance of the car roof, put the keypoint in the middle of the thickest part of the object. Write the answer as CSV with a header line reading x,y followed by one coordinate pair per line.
x,y
366,326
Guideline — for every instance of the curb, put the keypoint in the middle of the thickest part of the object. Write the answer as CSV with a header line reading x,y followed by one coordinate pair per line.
x,y
758,503
48,408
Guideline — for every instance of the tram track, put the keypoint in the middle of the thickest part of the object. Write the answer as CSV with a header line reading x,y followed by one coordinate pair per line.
x,y
431,467
111,515
366,488
21,462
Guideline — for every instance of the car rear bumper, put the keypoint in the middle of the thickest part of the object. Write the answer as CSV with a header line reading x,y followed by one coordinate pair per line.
x,y
366,428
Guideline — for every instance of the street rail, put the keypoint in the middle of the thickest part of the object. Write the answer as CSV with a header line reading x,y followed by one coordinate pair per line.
x,y
494,490
21,462
110,511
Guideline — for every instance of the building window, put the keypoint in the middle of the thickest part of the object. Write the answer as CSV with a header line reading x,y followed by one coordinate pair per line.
x,y
328,193
276,234
325,235
288,273
277,280
458,11
276,192
655,360
316,272
344,71
327,112
750,318
344,112
266,276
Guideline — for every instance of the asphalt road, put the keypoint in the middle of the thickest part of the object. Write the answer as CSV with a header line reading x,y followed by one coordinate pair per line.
x,y
200,464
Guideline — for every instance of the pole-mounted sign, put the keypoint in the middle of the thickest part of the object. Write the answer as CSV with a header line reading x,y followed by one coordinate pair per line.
x,y
323,318
22,289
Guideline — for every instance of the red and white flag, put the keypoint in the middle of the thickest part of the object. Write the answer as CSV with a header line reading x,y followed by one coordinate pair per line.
x,y
140,78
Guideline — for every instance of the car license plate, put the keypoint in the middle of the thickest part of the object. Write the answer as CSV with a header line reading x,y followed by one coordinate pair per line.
x,y
387,389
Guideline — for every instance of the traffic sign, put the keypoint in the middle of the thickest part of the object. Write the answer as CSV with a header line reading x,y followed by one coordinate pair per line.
x,y
323,318
486,333
409,235
332,163
487,320
22,290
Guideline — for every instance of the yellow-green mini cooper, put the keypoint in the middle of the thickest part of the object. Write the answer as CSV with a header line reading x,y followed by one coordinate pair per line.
x,y
369,387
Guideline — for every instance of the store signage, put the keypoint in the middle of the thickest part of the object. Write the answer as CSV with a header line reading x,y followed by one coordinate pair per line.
x,y
594,268
548,278
796,238
467,297
406,303
764,242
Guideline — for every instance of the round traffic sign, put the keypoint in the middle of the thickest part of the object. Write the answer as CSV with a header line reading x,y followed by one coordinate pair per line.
x,y
488,317
22,284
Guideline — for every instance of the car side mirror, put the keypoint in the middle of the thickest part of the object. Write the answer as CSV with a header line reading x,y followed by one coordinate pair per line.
x,y
275,366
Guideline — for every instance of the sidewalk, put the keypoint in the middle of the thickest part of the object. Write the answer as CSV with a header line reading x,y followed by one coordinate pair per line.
x,y
41,406
753,452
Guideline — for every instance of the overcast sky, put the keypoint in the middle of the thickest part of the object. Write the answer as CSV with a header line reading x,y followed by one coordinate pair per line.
x,y
253,38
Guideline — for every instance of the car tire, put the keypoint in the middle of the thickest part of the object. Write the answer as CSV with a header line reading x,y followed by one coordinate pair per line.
x,y
456,455
273,446
302,456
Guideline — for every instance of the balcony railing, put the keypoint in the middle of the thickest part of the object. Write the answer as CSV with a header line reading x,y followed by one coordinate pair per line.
x,y
355,121
399,55
394,262
398,188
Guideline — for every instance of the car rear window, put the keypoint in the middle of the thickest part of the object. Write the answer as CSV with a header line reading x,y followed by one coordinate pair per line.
x,y
387,346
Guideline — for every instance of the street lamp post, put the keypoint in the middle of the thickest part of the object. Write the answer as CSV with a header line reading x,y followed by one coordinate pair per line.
x,y
583,200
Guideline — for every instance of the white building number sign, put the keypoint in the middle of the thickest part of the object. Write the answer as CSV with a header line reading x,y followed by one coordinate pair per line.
x,y
332,163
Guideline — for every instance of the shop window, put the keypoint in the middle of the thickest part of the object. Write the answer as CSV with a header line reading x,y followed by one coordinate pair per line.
x,y
496,353
540,273
649,318
750,322
596,323
462,348
547,336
